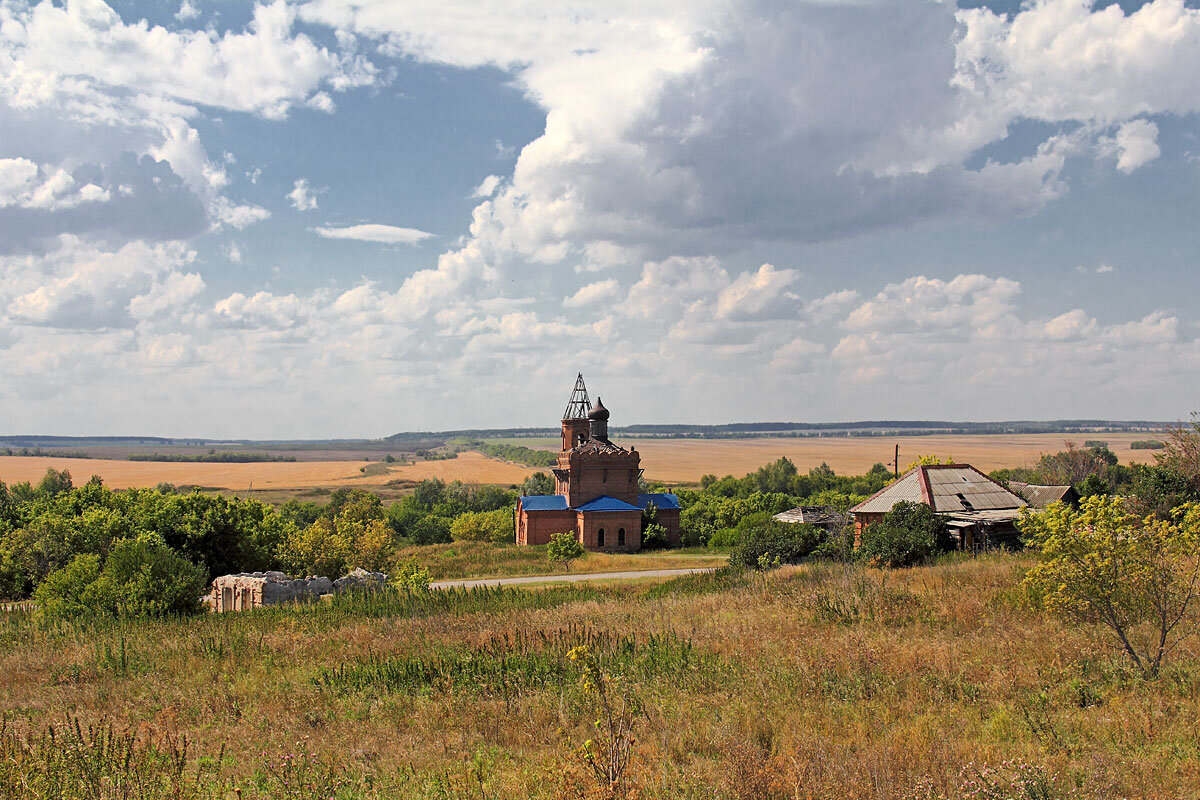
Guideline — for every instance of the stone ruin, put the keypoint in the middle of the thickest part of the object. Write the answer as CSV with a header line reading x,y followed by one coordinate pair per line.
x,y
247,590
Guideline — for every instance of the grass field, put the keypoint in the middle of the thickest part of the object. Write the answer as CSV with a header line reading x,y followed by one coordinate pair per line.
x,y
486,560
675,461
819,681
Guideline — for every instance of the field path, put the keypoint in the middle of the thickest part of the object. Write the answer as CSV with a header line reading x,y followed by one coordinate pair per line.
x,y
593,576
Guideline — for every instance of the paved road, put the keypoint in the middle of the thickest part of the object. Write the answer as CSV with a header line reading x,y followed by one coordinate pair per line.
x,y
570,578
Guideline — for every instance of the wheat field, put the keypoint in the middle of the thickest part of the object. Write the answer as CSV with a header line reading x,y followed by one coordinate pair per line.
x,y
670,460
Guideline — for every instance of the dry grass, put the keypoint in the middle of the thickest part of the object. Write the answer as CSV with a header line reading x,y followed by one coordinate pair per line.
x,y
815,682
488,560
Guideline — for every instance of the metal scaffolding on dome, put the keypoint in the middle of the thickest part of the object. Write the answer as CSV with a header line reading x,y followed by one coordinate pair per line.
x,y
580,403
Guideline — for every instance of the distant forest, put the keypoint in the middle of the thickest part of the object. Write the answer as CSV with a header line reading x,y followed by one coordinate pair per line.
x,y
428,440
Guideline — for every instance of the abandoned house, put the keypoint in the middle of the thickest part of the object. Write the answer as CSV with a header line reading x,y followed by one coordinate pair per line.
x,y
1039,496
596,488
825,517
246,590
979,512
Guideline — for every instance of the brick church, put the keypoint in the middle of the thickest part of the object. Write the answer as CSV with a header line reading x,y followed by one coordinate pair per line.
x,y
596,488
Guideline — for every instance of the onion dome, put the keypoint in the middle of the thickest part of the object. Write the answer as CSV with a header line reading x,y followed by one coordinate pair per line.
x,y
598,412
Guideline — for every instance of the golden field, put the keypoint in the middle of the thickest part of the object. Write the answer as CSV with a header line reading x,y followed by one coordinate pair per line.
x,y
669,460
468,467
685,460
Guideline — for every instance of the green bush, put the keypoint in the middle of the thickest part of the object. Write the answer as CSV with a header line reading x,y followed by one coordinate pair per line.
x,y
140,578
911,533
484,526
789,543
724,537
564,548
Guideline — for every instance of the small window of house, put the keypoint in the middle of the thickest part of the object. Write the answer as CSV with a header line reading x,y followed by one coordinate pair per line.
x,y
621,537
600,538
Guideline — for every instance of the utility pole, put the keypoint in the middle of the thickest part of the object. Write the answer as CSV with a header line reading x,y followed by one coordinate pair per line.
x,y
896,462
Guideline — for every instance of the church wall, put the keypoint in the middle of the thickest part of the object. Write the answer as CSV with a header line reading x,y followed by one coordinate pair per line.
x,y
596,476
669,519
612,522
536,527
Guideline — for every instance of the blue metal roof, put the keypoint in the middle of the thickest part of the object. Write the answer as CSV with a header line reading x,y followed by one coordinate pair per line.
x,y
606,503
660,500
544,502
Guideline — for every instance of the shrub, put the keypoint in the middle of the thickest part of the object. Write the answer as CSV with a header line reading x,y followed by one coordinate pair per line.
x,y
911,533
564,548
654,537
724,537
411,576
141,578
431,530
484,526
776,542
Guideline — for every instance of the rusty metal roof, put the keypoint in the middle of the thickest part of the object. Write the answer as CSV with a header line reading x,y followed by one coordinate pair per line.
x,y
944,488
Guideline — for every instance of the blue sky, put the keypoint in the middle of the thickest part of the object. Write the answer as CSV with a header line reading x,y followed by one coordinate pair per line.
x,y
344,218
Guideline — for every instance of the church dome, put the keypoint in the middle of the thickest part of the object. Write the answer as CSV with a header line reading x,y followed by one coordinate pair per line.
x,y
598,412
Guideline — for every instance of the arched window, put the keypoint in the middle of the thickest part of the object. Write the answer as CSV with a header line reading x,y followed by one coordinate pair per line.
x,y
621,537
600,538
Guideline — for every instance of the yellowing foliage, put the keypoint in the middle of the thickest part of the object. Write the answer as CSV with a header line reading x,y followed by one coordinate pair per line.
x,y
1102,564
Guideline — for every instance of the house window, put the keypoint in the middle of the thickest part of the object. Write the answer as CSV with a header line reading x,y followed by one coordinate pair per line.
x,y
621,537
604,476
600,538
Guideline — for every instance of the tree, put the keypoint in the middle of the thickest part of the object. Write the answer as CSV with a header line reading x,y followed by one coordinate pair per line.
x,y
911,533
538,483
771,542
928,460
55,482
1182,452
1102,565
564,548
141,578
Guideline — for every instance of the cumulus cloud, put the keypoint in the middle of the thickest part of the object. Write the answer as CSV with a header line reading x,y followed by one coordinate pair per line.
x,y
302,196
598,292
374,232
81,52
81,286
486,187
24,185
1134,145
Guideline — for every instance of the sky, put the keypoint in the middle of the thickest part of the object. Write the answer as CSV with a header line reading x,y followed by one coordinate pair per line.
x,y
348,218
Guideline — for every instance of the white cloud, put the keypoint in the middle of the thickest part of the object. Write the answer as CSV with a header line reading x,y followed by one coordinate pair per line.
x,y
174,291
759,294
598,292
302,196
374,232
83,51
186,12
1135,144
486,187
234,253
1105,269
82,286
24,185
238,216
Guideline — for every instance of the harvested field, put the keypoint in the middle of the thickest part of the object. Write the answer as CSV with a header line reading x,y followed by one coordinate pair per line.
x,y
685,460
670,460
468,468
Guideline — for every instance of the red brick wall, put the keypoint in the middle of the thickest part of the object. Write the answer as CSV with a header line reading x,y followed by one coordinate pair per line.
x,y
612,522
536,527
596,476
669,519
